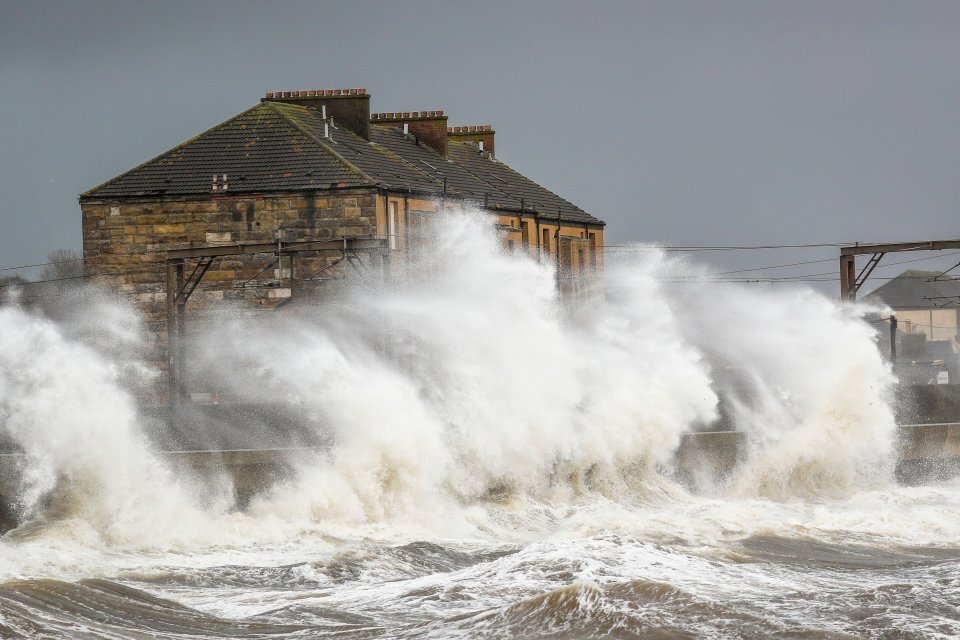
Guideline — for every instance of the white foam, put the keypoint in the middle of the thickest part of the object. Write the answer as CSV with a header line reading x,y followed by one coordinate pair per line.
x,y
466,397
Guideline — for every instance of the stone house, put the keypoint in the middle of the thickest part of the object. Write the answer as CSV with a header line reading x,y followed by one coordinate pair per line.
x,y
308,167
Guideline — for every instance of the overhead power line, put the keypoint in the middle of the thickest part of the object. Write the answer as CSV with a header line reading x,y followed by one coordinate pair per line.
x,y
41,264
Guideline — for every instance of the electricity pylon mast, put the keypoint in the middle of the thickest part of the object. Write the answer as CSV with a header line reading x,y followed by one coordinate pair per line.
x,y
851,281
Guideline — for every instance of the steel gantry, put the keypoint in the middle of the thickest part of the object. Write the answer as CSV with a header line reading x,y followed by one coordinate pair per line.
x,y
851,281
180,287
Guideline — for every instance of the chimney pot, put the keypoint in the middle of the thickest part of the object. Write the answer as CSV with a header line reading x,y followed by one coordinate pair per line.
x,y
420,124
351,112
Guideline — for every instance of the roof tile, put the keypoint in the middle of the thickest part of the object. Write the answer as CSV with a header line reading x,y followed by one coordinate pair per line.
x,y
277,146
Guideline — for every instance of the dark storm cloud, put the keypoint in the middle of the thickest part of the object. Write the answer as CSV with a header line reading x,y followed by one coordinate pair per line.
x,y
685,123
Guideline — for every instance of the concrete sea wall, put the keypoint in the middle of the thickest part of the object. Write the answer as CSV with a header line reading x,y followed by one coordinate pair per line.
x,y
926,452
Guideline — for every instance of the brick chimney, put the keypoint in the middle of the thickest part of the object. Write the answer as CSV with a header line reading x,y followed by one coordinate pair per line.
x,y
480,134
430,127
349,108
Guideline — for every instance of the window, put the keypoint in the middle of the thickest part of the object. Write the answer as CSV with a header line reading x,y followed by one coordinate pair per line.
x,y
392,225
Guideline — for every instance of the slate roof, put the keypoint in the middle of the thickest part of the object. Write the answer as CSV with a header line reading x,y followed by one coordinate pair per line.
x,y
276,146
519,187
429,160
380,167
259,150
915,289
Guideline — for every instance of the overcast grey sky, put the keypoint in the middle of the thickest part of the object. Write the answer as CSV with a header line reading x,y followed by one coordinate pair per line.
x,y
676,122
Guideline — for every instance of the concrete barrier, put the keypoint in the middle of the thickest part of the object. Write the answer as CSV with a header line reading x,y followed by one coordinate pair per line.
x,y
926,452
707,457
250,471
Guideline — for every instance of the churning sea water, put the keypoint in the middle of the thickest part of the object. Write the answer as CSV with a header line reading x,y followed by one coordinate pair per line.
x,y
499,465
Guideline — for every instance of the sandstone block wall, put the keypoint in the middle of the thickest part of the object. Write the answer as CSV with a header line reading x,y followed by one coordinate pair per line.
x,y
125,244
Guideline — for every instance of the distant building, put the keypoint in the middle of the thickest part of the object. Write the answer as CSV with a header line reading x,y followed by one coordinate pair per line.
x,y
923,303
927,308
310,166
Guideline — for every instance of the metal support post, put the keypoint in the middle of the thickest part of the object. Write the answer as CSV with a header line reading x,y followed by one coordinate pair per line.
x,y
893,339
173,352
181,331
848,276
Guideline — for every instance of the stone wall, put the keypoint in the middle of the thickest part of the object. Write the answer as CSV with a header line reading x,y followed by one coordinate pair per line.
x,y
125,244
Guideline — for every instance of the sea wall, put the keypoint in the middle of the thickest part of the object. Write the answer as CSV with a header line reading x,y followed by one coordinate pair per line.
x,y
926,452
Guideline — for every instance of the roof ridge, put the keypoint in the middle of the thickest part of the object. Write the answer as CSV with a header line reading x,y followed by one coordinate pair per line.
x,y
88,193
299,127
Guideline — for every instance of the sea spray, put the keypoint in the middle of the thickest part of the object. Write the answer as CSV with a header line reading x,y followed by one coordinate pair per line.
x,y
491,466
803,378
465,381
86,461
470,381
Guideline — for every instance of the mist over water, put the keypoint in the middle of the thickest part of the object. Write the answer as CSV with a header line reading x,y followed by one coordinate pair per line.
x,y
495,461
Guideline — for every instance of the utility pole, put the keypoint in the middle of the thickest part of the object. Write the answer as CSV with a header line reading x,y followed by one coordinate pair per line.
x,y
173,346
181,286
893,339
557,243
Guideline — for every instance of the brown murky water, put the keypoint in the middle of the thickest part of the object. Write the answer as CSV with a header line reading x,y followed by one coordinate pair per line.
x,y
675,567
